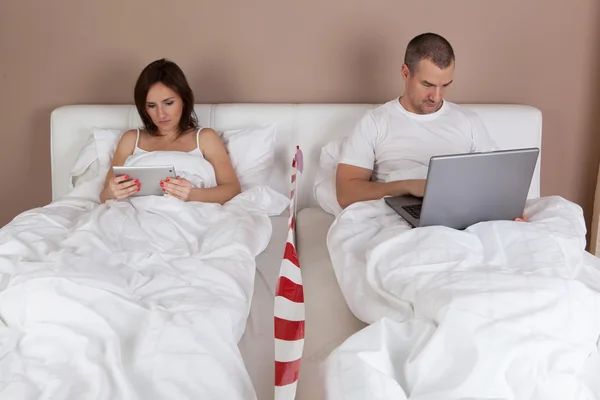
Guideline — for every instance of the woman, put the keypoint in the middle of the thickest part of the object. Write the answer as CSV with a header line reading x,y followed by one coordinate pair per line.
x,y
171,136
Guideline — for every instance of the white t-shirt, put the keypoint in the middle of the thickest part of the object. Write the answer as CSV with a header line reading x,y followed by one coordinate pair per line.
x,y
397,144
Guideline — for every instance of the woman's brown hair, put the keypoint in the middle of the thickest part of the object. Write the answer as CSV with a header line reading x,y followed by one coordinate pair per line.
x,y
169,74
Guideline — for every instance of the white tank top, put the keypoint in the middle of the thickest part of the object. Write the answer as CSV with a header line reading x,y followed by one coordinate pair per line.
x,y
190,165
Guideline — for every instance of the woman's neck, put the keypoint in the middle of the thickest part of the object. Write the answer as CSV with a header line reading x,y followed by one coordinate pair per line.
x,y
168,135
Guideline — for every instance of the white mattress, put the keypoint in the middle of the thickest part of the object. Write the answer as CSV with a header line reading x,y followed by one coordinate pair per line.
x,y
257,343
329,321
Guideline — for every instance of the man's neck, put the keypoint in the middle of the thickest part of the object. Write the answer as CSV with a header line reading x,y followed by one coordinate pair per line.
x,y
408,107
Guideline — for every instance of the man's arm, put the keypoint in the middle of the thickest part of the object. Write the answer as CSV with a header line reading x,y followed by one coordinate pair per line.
x,y
353,185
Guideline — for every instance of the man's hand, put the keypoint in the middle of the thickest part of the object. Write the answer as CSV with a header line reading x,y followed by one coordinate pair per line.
x,y
522,219
353,184
414,187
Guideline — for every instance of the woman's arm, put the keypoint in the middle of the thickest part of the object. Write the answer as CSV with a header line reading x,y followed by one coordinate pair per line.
x,y
115,188
228,185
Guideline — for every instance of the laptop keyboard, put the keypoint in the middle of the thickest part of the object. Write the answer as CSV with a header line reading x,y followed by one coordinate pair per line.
x,y
414,210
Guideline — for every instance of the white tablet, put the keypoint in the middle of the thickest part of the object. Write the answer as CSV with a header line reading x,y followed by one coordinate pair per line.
x,y
149,177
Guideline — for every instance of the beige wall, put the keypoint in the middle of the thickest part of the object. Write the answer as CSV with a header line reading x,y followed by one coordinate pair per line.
x,y
538,52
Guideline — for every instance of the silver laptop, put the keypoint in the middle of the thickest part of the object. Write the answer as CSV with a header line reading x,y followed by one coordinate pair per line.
x,y
464,189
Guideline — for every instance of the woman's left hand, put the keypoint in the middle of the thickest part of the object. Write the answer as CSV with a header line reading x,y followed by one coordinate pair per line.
x,y
177,187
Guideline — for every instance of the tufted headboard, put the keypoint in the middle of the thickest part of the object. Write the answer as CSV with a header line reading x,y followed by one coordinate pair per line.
x,y
308,125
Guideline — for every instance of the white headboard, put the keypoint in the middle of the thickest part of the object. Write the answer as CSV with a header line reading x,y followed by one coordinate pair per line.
x,y
308,125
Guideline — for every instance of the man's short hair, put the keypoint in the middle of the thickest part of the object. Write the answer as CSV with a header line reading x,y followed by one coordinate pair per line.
x,y
428,46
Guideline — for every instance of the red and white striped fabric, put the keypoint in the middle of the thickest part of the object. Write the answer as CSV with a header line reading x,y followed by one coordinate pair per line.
x,y
289,305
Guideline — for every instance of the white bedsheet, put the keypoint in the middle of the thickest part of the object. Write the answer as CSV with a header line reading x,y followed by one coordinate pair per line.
x,y
139,299
502,310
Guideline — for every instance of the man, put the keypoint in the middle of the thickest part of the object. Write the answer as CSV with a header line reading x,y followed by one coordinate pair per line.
x,y
388,153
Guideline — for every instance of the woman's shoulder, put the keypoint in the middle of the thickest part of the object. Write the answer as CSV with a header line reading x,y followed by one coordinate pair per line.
x,y
209,139
208,135
206,130
128,139
129,134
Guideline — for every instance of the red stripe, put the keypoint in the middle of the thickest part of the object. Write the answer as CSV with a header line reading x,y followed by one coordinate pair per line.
x,y
292,224
286,372
290,290
290,254
288,330
293,178
292,194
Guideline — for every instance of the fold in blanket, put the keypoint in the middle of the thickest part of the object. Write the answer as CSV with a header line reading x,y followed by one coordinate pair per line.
x,y
501,310
139,299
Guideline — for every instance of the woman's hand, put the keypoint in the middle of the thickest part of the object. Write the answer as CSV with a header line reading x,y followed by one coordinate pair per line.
x,y
120,187
177,187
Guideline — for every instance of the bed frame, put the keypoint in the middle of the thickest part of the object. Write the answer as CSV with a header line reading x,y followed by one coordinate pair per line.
x,y
308,125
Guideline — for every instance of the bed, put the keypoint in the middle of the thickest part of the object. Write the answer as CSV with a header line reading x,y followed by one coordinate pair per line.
x,y
487,312
71,128
330,321
83,138
306,125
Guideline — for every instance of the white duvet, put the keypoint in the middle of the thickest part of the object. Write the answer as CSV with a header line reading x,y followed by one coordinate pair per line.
x,y
140,299
502,310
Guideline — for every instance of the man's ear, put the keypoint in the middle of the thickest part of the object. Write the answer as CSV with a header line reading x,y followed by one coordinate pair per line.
x,y
405,72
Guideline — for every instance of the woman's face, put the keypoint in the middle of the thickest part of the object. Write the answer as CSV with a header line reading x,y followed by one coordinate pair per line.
x,y
164,106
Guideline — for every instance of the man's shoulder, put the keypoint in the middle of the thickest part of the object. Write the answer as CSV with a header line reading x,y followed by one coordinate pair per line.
x,y
383,111
460,111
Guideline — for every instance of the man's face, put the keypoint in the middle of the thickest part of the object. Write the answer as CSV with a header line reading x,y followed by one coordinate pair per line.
x,y
426,87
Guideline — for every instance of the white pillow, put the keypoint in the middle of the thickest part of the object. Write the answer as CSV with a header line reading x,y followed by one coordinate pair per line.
x,y
252,153
95,156
251,150
324,188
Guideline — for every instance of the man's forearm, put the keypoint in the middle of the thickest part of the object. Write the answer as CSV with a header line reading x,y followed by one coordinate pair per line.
x,y
356,190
